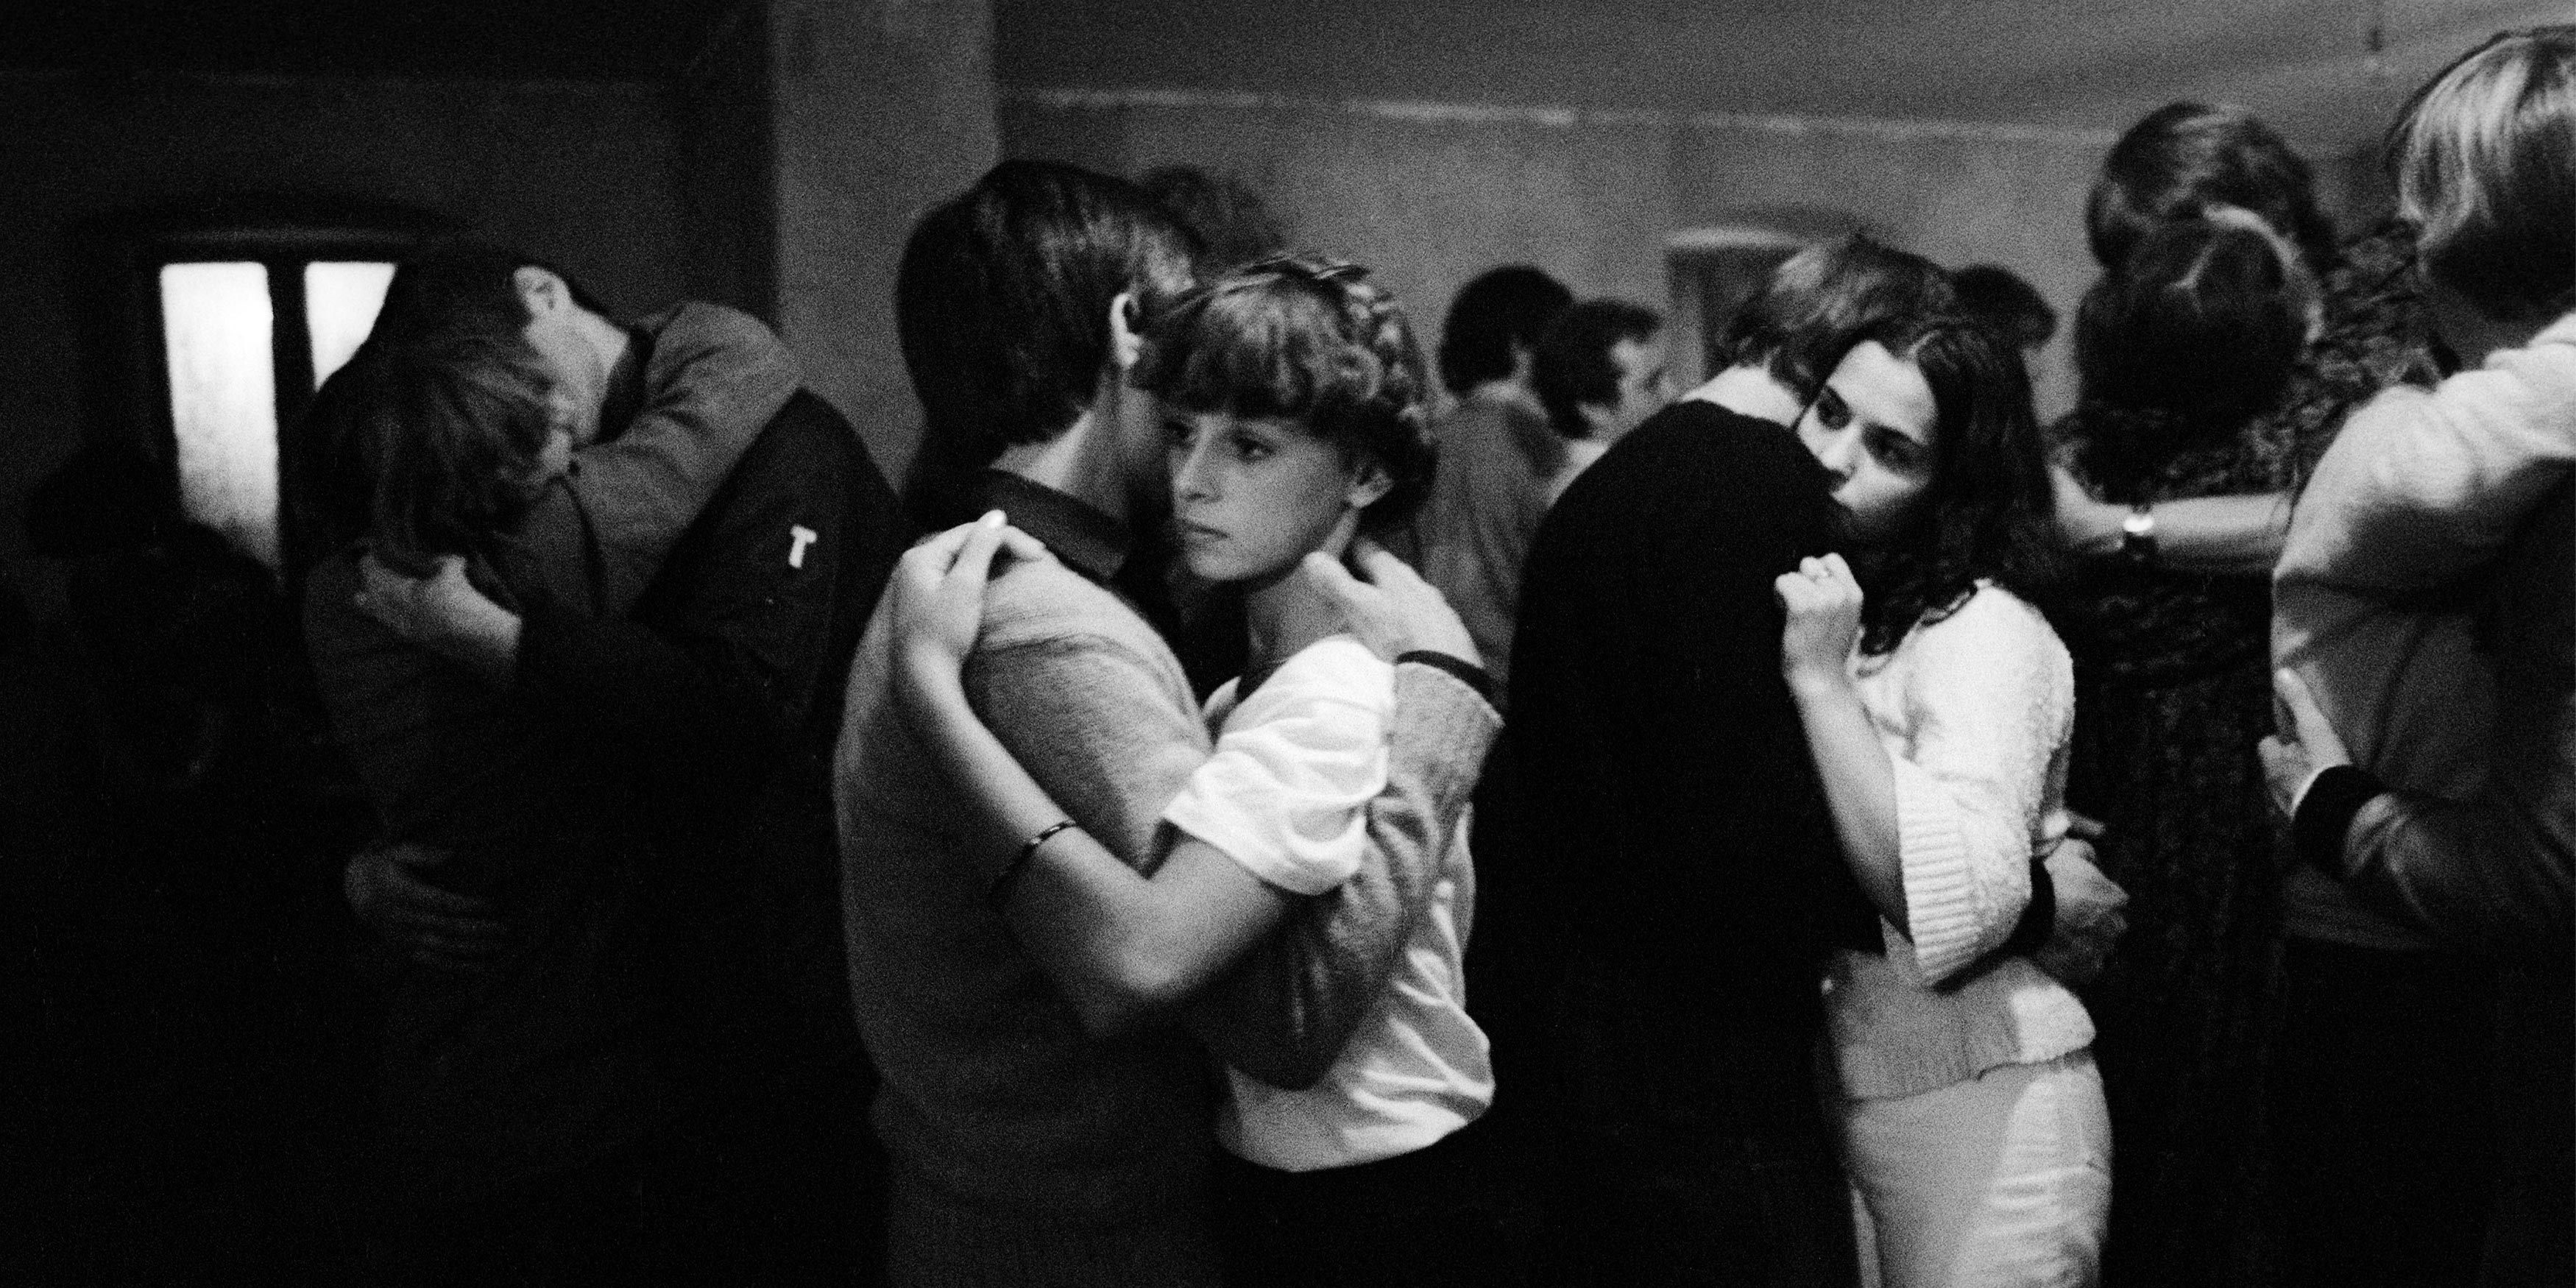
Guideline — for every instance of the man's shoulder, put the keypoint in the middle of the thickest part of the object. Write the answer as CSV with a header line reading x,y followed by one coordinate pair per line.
x,y
1047,603
1694,462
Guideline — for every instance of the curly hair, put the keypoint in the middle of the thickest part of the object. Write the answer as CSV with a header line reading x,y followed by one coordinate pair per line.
x,y
1309,339
454,444
1987,512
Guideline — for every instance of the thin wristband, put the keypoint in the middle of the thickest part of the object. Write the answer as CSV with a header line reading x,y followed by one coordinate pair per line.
x,y
1029,850
1467,673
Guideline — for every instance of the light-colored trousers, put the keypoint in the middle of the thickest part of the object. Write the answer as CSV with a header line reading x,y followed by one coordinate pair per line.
x,y
2003,1181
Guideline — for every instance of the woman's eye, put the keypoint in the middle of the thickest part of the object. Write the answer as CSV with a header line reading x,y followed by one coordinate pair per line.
x,y
1832,411
1895,450
1251,449
1178,432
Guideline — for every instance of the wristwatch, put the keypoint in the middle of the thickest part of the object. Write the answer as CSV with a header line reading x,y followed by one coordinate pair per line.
x,y
2138,534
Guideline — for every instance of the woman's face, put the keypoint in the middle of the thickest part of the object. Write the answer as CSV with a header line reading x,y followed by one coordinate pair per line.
x,y
1871,428
1251,497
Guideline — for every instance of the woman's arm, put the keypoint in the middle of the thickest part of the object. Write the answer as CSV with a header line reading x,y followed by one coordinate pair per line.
x,y
1823,604
1125,947
2209,534
1988,700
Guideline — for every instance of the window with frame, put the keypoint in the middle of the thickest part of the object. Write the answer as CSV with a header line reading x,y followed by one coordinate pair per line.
x,y
230,328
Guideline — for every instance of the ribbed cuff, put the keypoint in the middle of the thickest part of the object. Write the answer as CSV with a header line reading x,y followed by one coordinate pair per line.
x,y
2325,815
1940,892
1468,673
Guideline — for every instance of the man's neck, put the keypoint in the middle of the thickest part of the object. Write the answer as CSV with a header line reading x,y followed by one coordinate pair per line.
x,y
1079,462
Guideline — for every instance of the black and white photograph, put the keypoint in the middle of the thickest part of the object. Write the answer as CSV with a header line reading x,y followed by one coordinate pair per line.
x,y
922,643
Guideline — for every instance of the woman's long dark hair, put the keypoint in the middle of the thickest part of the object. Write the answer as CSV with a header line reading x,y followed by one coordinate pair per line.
x,y
1987,512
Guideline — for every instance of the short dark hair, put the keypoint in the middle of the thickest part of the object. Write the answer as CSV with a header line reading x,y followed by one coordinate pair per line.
x,y
452,438
2006,302
1573,366
1989,512
1002,308
1226,217
2202,320
1502,308
461,286
1817,303
2485,156
2183,158
1308,339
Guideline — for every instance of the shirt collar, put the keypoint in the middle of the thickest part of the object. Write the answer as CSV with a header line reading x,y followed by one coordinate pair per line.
x,y
1093,543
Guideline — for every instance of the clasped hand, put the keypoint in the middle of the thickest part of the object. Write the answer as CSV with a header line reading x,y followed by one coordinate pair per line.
x,y
1823,601
443,613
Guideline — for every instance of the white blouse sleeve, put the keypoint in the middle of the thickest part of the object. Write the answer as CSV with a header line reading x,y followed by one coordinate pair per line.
x,y
1989,701
2420,487
1295,767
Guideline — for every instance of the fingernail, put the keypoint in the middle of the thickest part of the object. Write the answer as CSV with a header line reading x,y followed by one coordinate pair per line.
x,y
991,519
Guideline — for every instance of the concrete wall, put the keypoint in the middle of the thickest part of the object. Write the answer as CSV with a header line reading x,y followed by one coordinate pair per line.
x,y
581,173
1430,194
880,108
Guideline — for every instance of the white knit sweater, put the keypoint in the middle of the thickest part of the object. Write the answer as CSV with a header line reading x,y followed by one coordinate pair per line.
x,y
1975,711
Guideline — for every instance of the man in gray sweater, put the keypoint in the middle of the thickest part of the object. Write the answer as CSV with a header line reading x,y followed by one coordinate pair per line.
x,y
1050,1123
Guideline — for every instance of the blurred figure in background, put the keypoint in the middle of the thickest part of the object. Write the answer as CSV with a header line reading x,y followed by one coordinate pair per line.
x,y
2427,630
1599,372
1496,454
2219,352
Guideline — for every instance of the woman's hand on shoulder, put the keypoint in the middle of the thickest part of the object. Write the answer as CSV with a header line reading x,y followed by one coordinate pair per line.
x,y
1822,600
1389,606
938,595
2086,526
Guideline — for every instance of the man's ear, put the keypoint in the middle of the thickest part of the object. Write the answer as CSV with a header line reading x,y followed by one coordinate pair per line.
x,y
1369,484
541,290
1126,331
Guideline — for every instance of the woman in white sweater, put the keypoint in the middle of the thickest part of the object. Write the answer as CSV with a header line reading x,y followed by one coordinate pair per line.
x,y
1937,704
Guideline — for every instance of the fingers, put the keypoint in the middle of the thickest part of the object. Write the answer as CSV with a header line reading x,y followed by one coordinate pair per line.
x,y
2083,826
975,558
1021,545
1380,564
2308,722
1329,576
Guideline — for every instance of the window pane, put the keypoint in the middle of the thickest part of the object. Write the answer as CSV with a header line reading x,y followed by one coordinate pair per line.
x,y
340,303
223,399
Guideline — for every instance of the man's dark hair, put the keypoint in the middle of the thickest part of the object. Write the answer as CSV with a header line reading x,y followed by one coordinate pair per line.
x,y
1228,219
1999,297
1501,309
1002,307
1573,364
1819,301
1988,513
462,287
2185,157
1311,340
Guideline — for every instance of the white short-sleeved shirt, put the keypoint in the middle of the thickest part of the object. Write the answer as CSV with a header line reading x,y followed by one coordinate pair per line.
x,y
1286,795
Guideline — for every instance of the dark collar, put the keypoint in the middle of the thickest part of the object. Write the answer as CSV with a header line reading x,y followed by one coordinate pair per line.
x,y
623,400
1093,543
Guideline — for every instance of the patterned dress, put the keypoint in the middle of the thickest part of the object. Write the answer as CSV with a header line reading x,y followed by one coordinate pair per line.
x,y
2173,689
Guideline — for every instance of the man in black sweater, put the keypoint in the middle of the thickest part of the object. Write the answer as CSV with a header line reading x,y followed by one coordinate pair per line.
x,y
717,701
1672,827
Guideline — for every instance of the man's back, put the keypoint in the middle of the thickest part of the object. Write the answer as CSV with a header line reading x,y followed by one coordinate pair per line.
x,y
1474,529
991,1086
1679,882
